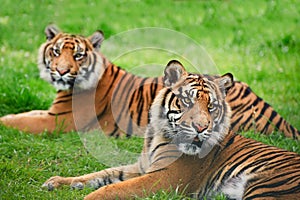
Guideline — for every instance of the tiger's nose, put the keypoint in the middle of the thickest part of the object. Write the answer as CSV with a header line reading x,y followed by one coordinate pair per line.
x,y
62,71
199,128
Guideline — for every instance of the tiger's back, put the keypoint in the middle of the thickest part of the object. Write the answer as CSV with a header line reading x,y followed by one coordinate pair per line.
x,y
115,99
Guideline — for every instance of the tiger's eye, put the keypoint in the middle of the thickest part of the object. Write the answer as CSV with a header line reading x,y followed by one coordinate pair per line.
x,y
187,100
210,106
78,56
56,52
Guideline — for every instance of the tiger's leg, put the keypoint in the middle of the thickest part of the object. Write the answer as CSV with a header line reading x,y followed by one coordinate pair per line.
x,y
250,112
169,177
96,179
37,121
140,186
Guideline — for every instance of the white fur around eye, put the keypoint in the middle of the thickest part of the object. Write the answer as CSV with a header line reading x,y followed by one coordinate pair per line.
x,y
186,101
174,116
193,93
56,52
78,56
211,107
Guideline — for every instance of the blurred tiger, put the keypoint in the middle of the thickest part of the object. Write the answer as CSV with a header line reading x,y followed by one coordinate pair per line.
x,y
115,99
189,147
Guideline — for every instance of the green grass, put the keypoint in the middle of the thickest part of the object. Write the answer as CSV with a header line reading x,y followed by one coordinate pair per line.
x,y
258,41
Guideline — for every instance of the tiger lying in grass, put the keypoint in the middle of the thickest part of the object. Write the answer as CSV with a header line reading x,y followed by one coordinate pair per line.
x,y
122,100
189,146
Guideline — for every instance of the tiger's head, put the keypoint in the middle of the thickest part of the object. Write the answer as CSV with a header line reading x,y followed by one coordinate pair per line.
x,y
65,59
191,111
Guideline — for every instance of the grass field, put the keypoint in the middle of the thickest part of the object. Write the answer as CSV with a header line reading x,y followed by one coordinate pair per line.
x,y
258,41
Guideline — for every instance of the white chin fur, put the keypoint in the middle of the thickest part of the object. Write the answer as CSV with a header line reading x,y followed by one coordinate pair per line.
x,y
189,149
60,86
207,146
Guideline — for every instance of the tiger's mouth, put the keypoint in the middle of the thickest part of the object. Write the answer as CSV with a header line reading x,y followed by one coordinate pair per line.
x,y
196,141
62,81
62,84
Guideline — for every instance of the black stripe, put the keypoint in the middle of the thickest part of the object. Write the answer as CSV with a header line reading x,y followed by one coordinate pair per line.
x,y
167,151
233,99
61,101
164,102
129,126
247,106
122,97
113,133
171,100
116,73
132,99
44,53
262,160
241,106
88,73
284,164
112,70
248,123
234,109
96,120
153,88
233,124
163,157
277,125
263,110
158,146
119,86
141,167
295,132
127,89
250,148
121,176
140,102
246,93
61,113
243,159
101,114
273,115
94,64
229,142
276,193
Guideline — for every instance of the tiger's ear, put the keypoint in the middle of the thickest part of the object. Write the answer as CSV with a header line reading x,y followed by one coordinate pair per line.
x,y
225,82
96,39
51,31
174,71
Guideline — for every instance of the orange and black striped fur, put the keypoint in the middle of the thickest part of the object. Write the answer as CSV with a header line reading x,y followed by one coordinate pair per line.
x,y
121,100
189,147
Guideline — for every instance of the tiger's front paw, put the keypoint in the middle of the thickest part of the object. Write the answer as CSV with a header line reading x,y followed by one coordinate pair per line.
x,y
57,181
54,182
77,185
